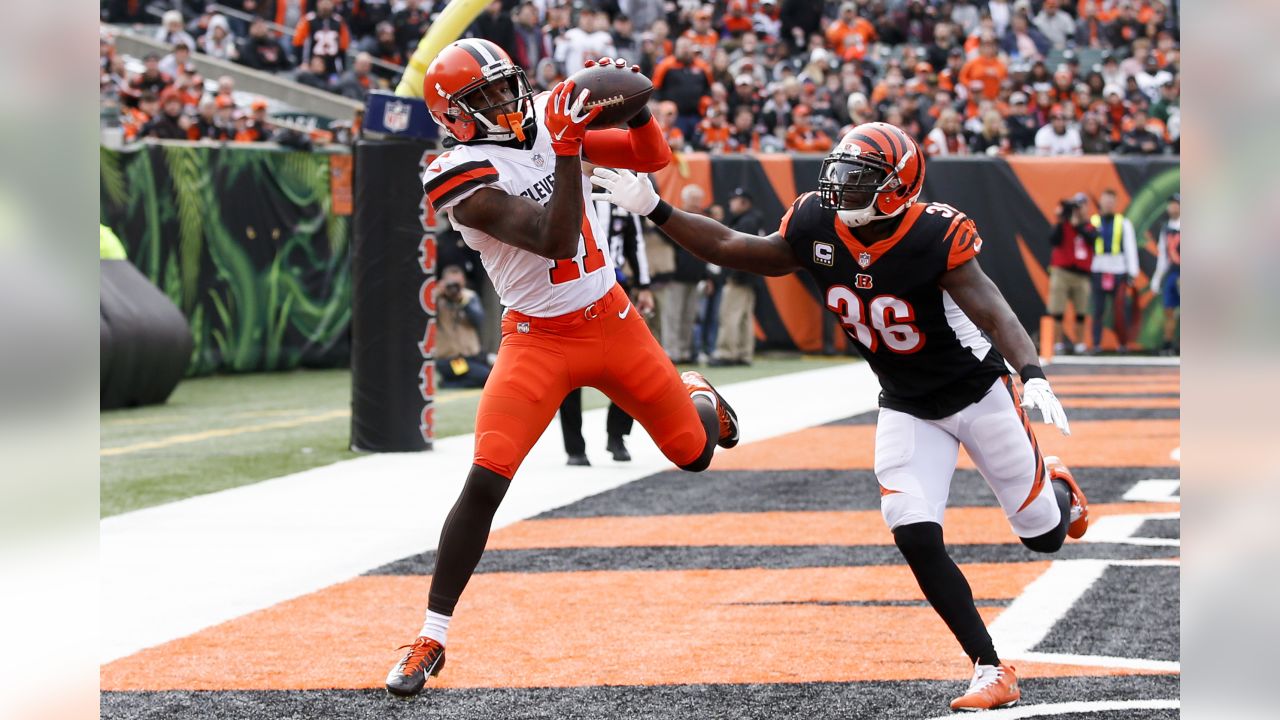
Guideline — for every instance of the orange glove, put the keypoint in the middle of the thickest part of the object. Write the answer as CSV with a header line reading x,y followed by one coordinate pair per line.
x,y
566,120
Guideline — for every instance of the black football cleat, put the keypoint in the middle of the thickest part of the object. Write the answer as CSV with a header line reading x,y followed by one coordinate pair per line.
x,y
579,461
618,448
425,657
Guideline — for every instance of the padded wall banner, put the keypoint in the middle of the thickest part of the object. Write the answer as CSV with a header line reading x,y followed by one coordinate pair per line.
x,y
393,261
1013,201
244,241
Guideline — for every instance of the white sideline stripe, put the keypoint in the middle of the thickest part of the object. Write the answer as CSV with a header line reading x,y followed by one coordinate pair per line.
x,y
1121,529
1044,602
1106,661
175,569
1159,490
1115,360
1067,708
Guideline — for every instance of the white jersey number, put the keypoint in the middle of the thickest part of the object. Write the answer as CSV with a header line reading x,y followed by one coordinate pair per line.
x,y
889,317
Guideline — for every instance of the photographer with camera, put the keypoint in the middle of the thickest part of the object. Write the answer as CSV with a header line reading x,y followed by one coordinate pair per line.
x,y
459,360
1070,264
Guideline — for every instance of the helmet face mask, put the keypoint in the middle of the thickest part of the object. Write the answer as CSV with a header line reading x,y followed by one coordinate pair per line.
x,y
874,173
475,92
477,101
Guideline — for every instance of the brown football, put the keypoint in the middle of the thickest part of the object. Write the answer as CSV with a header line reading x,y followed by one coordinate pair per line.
x,y
620,91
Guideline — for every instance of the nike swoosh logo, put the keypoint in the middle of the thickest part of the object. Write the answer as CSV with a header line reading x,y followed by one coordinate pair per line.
x,y
623,315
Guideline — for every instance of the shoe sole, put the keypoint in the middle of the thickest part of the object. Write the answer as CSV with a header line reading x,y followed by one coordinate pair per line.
x,y
1011,703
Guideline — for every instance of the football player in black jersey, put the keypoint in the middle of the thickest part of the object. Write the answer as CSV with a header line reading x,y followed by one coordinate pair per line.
x,y
902,278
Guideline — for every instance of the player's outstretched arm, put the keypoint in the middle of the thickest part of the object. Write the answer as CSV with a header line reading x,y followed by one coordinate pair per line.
x,y
552,232
981,300
700,235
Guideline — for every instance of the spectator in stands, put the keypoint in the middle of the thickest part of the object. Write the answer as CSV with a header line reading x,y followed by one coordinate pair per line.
x,y
323,34
177,62
460,361
803,136
134,119
1091,31
1070,263
382,46
966,15
151,79
849,23
315,74
218,42
546,75
1056,25
1114,266
1058,137
993,138
744,138
713,131
589,41
1023,40
170,124
205,126
947,137
496,26
253,126
667,116
736,340
359,80
701,34
678,295
986,67
736,21
1140,139
767,20
683,79
1094,137
1022,125
531,46
626,44
411,23
260,50
1152,78
171,32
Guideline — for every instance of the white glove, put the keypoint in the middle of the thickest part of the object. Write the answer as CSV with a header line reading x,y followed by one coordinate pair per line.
x,y
625,189
1036,393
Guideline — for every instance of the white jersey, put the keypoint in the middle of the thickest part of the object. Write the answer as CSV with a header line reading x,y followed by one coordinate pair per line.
x,y
526,282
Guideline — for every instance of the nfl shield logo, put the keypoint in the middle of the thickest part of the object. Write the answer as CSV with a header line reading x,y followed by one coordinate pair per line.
x,y
538,160
522,327
864,259
396,116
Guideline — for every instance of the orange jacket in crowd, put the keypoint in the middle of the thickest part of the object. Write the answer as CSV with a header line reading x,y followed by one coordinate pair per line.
x,y
837,31
807,140
991,71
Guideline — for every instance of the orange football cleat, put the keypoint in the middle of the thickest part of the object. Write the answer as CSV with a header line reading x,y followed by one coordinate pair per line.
x,y
425,657
1079,503
992,687
696,384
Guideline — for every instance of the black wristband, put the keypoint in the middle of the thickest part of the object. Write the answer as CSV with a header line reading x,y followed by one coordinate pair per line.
x,y
1031,372
641,118
662,213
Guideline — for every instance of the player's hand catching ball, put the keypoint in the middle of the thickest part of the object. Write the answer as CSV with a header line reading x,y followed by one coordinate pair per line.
x,y
1036,393
625,189
567,120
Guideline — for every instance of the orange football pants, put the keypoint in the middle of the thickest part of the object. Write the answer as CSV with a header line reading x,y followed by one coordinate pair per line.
x,y
606,346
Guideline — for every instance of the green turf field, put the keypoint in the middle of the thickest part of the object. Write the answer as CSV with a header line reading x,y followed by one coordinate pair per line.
x,y
225,431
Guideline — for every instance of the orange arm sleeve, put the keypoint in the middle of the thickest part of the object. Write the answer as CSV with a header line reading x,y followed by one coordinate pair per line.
x,y
642,149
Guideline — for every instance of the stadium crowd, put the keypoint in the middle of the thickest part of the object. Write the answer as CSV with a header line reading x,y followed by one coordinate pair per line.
x,y
1051,77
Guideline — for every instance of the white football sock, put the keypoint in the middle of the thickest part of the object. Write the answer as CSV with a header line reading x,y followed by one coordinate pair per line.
x,y
435,626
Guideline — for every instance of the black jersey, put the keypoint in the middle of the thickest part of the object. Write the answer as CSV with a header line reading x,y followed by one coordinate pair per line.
x,y
930,358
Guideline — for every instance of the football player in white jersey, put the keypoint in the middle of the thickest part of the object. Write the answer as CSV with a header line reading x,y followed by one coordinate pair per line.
x,y
514,187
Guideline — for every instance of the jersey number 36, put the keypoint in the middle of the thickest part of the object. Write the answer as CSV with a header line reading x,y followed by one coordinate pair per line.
x,y
889,317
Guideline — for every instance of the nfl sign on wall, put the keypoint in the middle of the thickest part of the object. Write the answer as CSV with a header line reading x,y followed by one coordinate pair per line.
x,y
427,301
395,116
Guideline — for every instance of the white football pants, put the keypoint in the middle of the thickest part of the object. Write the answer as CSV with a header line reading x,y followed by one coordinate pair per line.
x,y
915,460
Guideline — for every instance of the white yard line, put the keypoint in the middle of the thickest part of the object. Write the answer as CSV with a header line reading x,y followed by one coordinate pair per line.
x,y
1072,708
175,569
1115,360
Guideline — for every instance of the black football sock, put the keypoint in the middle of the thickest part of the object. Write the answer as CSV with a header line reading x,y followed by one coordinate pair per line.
x,y
463,538
1052,541
706,408
946,588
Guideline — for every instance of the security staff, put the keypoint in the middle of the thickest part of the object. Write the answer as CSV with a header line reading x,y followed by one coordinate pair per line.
x,y
1115,265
